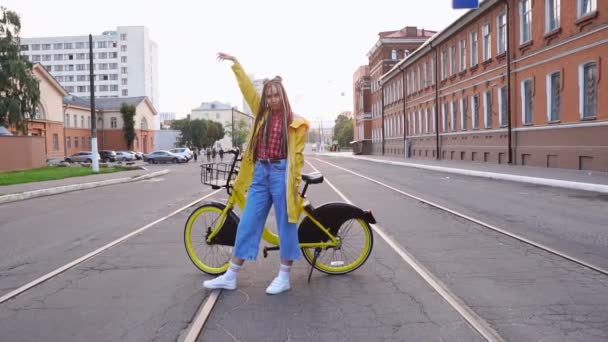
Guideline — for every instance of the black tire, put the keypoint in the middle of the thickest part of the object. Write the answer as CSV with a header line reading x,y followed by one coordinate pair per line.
x,y
174,160
152,161
88,161
68,160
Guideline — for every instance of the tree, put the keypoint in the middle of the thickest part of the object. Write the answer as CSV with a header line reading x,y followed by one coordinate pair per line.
x,y
128,126
241,130
200,132
343,130
19,89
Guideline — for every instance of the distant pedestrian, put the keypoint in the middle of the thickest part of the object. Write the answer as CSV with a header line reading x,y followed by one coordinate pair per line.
x,y
208,154
195,152
221,154
213,152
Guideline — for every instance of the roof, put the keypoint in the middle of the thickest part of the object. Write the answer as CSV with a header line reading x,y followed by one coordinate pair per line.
x,y
105,103
213,106
40,68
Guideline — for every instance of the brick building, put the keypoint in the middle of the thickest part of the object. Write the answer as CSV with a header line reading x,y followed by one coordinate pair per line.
x,y
515,81
391,47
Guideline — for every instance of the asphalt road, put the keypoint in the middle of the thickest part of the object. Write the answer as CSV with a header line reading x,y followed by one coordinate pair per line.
x,y
146,289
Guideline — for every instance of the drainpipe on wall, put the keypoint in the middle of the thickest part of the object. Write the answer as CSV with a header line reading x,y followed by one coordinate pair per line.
x,y
382,111
404,86
436,100
510,147
65,146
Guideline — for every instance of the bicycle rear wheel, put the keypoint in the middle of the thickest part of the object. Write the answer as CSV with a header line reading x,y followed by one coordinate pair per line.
x,y
210,258
355,242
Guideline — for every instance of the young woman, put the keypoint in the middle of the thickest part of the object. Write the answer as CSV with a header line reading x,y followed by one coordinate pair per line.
x,y
270,173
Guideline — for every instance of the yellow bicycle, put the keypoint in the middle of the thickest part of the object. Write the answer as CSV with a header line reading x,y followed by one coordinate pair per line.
x,y
335,238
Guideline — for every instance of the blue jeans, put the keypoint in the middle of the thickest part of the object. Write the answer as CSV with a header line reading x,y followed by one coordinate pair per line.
x,y
267,187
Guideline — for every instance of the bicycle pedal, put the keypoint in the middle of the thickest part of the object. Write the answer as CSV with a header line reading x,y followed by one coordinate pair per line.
x,y
266,249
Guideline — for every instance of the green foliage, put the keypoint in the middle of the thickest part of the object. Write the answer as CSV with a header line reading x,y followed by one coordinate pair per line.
x,y
241,130
198,133
344,130
128,127
19,89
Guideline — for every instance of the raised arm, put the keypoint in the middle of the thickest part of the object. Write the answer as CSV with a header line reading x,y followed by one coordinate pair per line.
x,y
245,84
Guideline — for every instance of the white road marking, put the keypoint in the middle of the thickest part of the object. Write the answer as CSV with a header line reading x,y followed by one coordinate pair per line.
x,y
478,323
66,267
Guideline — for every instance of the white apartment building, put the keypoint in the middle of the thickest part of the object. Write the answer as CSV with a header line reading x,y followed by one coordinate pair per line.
x,y
125,62
218,112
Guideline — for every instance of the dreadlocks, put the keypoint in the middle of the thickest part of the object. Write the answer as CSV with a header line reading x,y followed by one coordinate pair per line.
x,y
263,112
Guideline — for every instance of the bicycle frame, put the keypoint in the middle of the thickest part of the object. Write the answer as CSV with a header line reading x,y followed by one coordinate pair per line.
x,y
268,235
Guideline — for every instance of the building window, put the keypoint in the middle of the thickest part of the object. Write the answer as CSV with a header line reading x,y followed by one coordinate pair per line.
x,y
586,7
46,46
36,47
123,70
419,78
426,120
526,101
55,142
67,46
433,69
406,53
452,60
475,111
525,21
502,107
501,24
125,92
463,114
58,46
554,96
463,55
82,141
487,101
487,44
101,45
453,114
420,122
82,121
443,58
123,36
427,75
123,59
68,142
588,90
114,87
394,54
433,116
113,122
552,15
444,117
75,142
123,48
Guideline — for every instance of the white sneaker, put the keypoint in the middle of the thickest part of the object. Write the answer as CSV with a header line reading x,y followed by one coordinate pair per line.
x,y
220,282
277,286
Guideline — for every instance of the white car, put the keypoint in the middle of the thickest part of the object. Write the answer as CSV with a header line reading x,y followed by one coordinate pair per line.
x,y
183,151
82,157
124,156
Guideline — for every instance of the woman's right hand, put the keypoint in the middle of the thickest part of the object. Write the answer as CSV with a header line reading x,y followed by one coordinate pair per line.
x,y
224,56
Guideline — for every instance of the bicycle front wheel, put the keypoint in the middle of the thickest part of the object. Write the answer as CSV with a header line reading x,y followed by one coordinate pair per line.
x,y
355,242
208,257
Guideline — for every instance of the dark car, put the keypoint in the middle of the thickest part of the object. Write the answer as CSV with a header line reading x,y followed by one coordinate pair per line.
x,y
107,155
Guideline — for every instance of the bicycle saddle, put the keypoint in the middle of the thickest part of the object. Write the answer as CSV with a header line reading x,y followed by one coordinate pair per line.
x,y
313,177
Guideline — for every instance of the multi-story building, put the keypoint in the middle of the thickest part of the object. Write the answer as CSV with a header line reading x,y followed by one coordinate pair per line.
x,y
510,82
166,119
391,47
223,113
125,62
362,111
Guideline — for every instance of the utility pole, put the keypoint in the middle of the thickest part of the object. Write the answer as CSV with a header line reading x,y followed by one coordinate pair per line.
x,y
93,120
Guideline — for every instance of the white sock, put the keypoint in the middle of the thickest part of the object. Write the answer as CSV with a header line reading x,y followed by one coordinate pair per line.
x,y
233,271
284,272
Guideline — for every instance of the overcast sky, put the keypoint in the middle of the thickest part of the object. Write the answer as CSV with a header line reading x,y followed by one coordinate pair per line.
x,y
315,45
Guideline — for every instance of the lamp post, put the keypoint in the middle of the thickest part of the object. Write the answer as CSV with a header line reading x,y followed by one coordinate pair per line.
x,y
93,121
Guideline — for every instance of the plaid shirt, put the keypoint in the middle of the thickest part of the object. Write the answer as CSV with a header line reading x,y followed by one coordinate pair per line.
x,y
273,150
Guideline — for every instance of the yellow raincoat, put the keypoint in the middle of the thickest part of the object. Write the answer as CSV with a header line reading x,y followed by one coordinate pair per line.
x,y
297,132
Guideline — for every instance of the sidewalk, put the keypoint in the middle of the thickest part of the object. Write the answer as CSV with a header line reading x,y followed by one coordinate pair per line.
x,y
18,192
565,178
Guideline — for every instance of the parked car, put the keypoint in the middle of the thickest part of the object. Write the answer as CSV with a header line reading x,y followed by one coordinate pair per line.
x,y
82,157
108,155
183,151
138,155
125,156
164,157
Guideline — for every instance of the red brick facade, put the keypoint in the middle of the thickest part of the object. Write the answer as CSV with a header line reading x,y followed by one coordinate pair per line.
x,y
557,111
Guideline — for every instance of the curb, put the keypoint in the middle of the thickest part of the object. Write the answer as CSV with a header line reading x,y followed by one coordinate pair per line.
x,y
601,188
75,187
